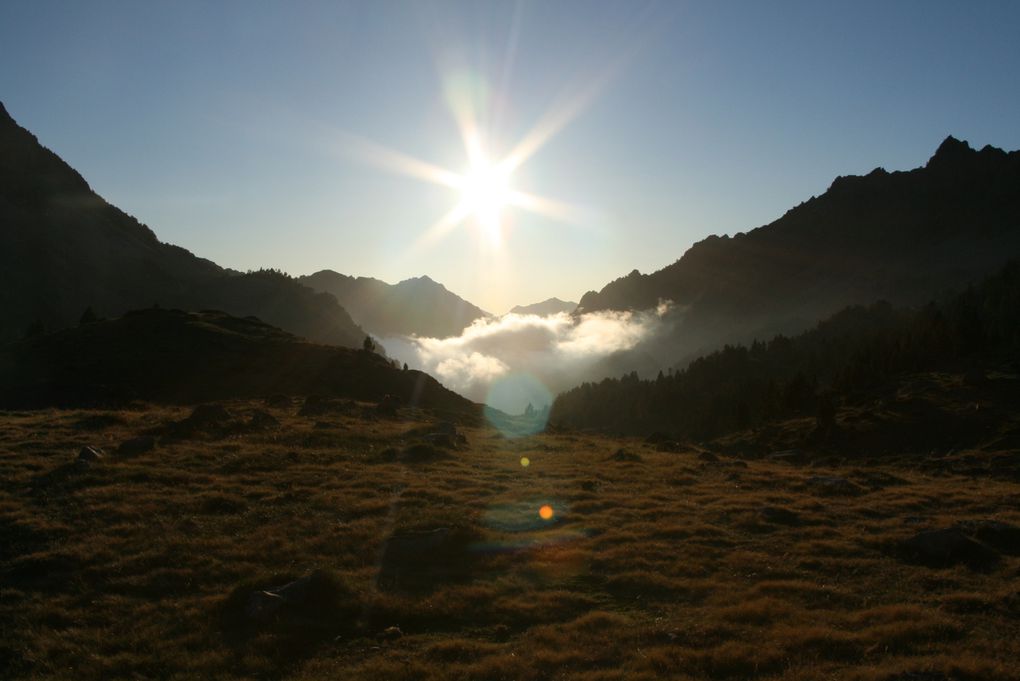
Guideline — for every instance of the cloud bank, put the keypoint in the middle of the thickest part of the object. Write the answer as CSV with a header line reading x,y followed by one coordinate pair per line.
x,y
511,360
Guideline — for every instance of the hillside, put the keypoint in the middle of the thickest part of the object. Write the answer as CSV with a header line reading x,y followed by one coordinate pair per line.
x,y
64,249
904,237
171,356
417,306
545,308
857,356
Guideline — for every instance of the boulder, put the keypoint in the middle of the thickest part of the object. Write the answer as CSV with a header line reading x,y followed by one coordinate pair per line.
x,y
834,485
1000,536
624,455
945,547
421,559
90,454
262,420
136,446
779,515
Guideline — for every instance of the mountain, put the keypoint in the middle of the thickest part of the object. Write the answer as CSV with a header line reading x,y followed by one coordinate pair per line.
x,y
417,306
173,356
64,249
904,237
545,308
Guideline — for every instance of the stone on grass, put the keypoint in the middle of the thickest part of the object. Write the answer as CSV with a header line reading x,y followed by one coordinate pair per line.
x,y
945,547
136,446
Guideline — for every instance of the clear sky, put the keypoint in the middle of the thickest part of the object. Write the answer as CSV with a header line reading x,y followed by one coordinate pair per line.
x,y
239,129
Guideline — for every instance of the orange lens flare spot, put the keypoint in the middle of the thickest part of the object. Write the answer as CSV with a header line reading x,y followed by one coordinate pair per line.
x,y
546,512
525,461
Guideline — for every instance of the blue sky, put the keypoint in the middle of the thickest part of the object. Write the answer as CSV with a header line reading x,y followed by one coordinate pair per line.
x,y
227,127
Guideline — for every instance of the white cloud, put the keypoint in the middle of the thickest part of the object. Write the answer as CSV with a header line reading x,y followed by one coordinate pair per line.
x,y
558,350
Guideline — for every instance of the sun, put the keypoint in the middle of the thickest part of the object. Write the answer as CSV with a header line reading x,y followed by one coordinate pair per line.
x,y
484,193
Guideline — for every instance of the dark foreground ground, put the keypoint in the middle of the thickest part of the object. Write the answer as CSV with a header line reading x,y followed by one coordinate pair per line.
x,y
421,556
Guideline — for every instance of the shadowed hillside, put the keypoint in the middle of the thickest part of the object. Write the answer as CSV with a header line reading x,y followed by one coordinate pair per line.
x,y
64,249
844,360
904,237
180,357
418,306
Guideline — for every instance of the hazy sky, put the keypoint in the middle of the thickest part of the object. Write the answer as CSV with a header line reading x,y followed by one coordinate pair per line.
x,y
238,130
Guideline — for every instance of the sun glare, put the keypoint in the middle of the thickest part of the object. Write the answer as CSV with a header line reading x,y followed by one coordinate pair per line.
x,y
485,192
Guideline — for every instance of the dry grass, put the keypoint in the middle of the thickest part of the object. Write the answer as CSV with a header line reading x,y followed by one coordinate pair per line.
x,y
663,567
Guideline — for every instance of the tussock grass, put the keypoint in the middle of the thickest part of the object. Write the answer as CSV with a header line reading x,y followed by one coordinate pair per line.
x,y
657,565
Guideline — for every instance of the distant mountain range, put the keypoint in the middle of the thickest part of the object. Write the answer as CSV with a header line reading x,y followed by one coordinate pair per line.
x,y
904,237
418,306
545,308
173,356
64,249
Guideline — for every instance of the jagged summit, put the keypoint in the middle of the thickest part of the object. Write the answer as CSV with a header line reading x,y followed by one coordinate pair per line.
x,y
417,306
903,236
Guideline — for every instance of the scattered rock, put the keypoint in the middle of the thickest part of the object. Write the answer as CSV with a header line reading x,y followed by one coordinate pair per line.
x,y
421,559
90,454
209,416
262,420
279,402
779,515
389,405
945,547
709,457
1000,536
136,446
315,594
316,405
830,484
624,455
787,455
390,634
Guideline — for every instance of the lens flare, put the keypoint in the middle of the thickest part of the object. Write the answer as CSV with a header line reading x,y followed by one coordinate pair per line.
x,y
546,512
525,461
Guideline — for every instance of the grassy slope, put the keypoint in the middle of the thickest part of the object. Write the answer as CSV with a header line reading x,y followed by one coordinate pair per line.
x,y
661,567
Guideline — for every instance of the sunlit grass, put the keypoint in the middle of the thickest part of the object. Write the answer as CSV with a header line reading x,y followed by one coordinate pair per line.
x,y
662,566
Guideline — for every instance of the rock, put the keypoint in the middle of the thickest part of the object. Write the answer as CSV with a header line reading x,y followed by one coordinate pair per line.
x,y
316,594
209,415
261,420
390,634
389,405
624,455
1000,536
90,454
830,484
136,446
279,402
591,485
668,446
424,558
945,547
779,515
787,455
709,457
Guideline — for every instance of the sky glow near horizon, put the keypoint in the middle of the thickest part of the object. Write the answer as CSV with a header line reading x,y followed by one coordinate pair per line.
x,y
260,136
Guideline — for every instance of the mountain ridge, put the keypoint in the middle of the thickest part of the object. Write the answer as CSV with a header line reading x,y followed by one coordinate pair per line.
x,y
64,249
417,306
902,236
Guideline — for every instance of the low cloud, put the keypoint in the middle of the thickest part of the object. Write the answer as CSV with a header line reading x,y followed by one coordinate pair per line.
x,y
543,354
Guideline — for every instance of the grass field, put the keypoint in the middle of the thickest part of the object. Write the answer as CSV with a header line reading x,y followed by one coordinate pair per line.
x,y
650,564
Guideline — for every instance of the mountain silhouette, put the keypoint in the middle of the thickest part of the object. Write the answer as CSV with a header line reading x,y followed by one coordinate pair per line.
x,y
64,249
545,308
418,306
903,237
173,356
